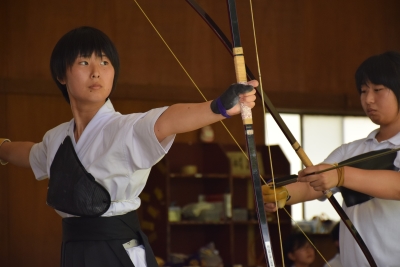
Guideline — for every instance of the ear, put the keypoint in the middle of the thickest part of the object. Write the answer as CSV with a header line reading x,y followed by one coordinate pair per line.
x,y
61,81
291,256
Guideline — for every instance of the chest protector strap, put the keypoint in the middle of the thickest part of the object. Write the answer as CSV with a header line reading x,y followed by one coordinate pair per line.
x,y
385,162
71,188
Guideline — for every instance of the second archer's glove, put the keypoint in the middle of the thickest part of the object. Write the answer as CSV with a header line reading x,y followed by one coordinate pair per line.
x,y
281,193
229,98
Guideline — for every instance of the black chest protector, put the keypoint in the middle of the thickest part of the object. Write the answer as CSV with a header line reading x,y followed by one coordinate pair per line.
x,y
384,162
71,188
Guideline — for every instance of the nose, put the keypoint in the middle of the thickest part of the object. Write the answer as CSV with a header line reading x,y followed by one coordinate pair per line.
x,y
369,96
95,72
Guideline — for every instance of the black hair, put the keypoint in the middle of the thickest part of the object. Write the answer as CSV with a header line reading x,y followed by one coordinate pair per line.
x,y
295,241
82,41
381,69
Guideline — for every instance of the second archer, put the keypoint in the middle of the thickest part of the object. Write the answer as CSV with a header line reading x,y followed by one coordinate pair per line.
x,y
375,217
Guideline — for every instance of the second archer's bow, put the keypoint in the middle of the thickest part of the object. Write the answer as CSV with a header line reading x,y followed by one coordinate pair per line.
x,y
237,53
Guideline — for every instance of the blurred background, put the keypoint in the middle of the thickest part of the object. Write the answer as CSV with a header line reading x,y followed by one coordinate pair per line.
x,y
308,50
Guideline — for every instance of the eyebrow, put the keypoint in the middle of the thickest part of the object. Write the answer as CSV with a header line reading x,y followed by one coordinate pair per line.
x,y
87,56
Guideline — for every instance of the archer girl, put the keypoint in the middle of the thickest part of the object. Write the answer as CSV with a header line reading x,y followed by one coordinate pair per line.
x,y
376,214
98,163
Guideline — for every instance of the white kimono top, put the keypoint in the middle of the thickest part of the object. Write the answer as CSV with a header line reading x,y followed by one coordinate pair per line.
x,y
118,150
376,220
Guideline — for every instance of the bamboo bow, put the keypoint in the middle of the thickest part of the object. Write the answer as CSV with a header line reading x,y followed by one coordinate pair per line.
x,y
242,71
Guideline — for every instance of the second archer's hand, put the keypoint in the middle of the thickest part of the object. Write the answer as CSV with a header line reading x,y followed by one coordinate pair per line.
x,y
319,181
281,193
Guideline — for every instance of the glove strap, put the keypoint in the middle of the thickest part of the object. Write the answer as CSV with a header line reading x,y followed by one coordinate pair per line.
x,y
221,108
3,140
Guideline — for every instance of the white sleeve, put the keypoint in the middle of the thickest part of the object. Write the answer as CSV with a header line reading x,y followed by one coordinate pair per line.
x,y
143,148
336,155
42,154
38,160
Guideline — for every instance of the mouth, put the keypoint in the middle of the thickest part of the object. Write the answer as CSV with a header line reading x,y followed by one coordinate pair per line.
x,y
371,111
95,87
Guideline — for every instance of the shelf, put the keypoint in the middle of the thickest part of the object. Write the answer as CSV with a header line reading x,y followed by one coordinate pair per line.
x,y
209,170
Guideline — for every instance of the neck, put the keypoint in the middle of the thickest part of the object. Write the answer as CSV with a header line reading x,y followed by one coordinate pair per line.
x,y
387,132
82,116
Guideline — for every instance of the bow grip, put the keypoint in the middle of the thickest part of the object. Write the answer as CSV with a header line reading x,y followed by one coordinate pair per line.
x,y
241,77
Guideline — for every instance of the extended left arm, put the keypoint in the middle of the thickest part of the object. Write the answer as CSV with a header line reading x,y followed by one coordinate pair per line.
x,y
181,118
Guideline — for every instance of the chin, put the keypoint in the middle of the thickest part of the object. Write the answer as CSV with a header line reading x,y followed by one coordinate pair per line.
x,y
375,119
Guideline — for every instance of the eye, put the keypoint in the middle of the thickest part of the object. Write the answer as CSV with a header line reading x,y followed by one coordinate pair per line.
x,y
83,63
363,89
105,62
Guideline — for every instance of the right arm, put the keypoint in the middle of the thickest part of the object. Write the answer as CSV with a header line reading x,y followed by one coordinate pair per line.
x,y
298,192
301,192
16,153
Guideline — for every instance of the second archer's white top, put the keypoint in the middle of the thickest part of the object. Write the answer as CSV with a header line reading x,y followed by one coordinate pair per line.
x,y
376,220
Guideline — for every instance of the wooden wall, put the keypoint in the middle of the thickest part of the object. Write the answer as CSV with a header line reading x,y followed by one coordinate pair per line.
x,y
308,51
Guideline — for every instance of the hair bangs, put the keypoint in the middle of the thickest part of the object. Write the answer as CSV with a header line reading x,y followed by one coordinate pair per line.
x,y
88,41
379,69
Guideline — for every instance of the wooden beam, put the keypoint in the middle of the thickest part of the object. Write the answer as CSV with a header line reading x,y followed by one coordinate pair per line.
x,y
291,102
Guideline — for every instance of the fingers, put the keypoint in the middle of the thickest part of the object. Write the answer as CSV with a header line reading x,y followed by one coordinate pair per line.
x,y
318,181
247,88
253,83
280,195
228,103
270,207
250,94
248,98
309,174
